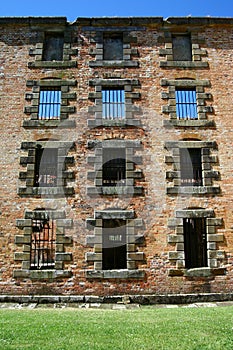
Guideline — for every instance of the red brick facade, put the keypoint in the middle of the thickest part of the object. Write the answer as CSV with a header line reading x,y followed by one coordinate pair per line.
x,y
154,202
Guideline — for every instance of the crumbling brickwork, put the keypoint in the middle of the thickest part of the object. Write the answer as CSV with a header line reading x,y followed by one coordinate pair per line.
x,y
129,214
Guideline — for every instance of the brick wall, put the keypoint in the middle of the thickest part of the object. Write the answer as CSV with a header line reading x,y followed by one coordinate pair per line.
x,y
145,40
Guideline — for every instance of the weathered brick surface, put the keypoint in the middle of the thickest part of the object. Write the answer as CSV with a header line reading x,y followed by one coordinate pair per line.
x,y
155,207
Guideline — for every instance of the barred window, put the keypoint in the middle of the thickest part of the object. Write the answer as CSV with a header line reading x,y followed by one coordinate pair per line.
x,y
43,244
191,167
114,244
53,47
113,103
195,242
46,167
186,104
114,167
49,104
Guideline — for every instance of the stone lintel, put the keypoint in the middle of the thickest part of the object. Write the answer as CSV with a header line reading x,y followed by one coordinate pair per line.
x,y
115,214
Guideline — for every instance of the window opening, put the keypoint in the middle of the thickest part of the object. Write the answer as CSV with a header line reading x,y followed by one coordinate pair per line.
x,y
53,47
114,244
113,47
182,48
46,167
43,244
190,167
186,104
49,104
114,167
113,103
195,243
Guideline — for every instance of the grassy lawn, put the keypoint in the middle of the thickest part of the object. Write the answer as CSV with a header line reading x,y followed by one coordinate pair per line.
x,y
138,329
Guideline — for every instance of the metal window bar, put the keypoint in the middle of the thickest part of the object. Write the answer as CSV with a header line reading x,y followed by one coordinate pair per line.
x,y
195,242
113,104
43,244
46,167
49,104
186,104
191,167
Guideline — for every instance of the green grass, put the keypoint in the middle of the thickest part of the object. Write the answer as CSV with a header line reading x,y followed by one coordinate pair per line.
x,y
145,328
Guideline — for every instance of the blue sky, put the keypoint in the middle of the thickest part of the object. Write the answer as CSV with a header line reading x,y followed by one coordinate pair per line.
x,y
99,8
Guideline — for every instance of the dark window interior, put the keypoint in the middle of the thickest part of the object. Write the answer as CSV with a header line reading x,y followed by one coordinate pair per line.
x,y
190,167
53,47
182,48
114,167
43,244
195,244
114,244
113,46
46,167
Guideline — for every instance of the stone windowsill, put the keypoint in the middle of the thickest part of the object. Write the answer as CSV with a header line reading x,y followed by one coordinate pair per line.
x,y
116,274
120,64
183,64
196,190
42,274
189,123
52,64
198,272
66,123
46,191
115,190
93,123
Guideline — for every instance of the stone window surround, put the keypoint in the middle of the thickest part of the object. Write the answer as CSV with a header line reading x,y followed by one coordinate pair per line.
x,y
63,175
214,255
130,109
128,51
132,241
197,52
207,173
34,97
68,51
201,97
128,188
62,241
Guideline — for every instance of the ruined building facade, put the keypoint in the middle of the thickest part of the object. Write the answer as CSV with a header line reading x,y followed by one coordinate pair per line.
x,y
116,155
